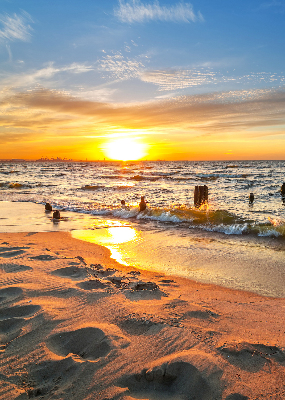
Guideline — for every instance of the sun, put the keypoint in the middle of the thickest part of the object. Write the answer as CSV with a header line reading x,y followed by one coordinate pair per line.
x,y
125,149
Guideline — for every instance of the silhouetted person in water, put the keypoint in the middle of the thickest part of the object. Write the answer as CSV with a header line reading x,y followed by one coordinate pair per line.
x,y
48,207
56,215
142,204
123,203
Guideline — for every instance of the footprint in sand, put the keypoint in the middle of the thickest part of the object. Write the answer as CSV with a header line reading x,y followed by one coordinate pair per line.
x,y
251,357
201,314
10,294
175,378
10,329
44,257
134,325
141,290
100,271
75,273
14,268
88,343
8,252
92,284
13,319
19,311
51,378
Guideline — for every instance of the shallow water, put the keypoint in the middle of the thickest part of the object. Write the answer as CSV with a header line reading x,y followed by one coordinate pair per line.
x,y
237,261
228,241
97,188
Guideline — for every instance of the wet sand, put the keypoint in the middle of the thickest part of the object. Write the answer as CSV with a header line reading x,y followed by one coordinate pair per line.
x,y
75,324
243,262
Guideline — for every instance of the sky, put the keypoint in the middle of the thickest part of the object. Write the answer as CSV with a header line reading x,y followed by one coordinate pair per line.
x,y
126,79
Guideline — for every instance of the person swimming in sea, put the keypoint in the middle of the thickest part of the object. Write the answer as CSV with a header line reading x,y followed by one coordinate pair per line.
x,y
142,205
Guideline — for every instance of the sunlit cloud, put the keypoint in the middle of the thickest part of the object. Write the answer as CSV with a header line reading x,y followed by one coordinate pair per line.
x,y
136,11
15,27
120,67
40,76
178,79
204,114
174,79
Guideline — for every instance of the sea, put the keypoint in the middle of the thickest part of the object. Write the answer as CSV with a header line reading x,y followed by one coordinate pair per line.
x,y
228,241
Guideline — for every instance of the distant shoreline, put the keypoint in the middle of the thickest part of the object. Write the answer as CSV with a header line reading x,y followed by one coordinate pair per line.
x,y
128,161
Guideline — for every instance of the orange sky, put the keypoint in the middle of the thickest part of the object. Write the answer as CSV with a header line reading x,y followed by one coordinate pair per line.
x,y
45,123
201,81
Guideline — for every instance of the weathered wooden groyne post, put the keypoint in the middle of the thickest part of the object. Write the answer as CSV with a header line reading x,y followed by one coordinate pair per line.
x,y
251,198
200,195
282,190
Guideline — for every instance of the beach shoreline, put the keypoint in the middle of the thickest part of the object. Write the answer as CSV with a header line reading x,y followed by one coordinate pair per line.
x,y
239,262
75,324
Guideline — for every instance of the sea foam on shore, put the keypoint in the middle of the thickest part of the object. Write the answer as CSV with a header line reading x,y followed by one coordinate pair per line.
x,y
239,262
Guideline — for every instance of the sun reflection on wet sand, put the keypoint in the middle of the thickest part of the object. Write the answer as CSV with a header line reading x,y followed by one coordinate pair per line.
x,y
110,238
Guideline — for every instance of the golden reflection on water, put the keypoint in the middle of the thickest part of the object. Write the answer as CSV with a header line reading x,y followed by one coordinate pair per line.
x,y
110,238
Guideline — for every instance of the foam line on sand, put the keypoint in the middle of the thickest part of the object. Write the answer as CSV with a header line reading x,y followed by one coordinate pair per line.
x,y
75,324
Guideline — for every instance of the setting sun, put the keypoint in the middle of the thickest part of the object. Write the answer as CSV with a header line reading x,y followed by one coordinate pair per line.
x,y
125,149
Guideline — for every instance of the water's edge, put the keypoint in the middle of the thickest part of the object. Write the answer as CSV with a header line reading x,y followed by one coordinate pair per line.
x,y
234,261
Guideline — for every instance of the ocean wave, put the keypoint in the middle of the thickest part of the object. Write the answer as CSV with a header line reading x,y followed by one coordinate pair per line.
x,y
17,185
166,216
220,221
122,187
193,216
111,177
234,229
144,178
9,172
92,187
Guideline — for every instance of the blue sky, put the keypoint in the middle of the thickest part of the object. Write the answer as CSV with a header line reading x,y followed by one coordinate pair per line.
x,y
180,76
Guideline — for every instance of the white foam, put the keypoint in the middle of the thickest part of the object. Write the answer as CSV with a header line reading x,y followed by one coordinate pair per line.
x,y
163,217
235,229
269,232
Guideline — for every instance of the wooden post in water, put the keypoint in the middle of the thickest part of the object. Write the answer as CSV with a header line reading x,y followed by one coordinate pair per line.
x,y
206,192
283,189
251,198
200,195
196,196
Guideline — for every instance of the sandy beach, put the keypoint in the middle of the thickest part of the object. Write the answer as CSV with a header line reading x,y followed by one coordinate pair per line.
x,y
75,324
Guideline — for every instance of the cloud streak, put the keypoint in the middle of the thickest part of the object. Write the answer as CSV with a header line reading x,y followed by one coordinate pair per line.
x,y
204,114
41,76
136,11
15,27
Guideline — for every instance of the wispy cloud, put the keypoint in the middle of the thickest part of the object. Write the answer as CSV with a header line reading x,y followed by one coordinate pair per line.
x,y
41,76
136,11
120,67
273,4
173,79
177,79
15,27
205,114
